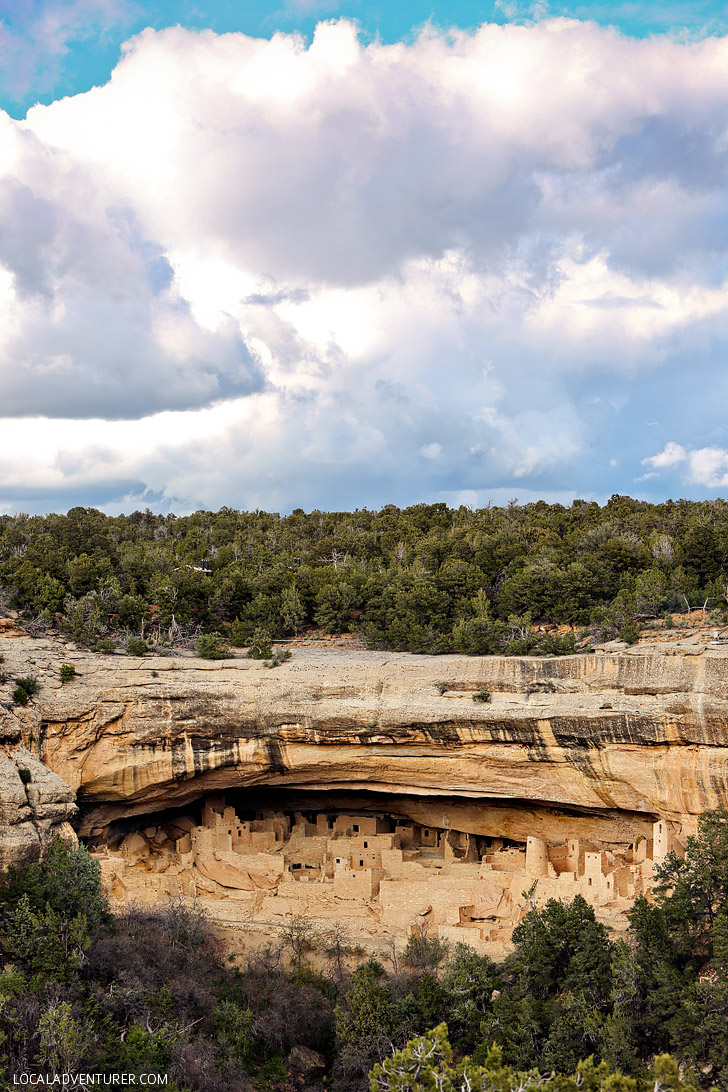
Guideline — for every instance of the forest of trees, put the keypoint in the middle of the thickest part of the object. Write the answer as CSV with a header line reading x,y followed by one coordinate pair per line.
x,y
151,990
421,579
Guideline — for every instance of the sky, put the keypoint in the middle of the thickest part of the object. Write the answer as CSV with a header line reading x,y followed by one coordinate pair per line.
x,y
343,254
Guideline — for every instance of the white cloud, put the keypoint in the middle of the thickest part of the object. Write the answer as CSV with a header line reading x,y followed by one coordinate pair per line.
x,y
337,161
703,466
608,309
283,269
709,467
671,454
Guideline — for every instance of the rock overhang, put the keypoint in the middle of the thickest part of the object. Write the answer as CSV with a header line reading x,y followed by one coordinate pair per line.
x,y
640,732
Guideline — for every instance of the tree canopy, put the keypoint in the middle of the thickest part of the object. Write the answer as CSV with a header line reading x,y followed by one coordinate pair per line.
x,y
422,579
150,990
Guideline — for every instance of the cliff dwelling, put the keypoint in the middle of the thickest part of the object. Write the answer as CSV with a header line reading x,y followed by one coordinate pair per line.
x,y
261,858
243,787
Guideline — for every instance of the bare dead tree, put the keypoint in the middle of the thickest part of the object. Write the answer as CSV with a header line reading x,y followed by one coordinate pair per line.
x,y
392,955
338,947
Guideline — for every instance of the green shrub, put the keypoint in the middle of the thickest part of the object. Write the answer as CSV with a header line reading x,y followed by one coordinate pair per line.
x,y
542,644
442,687
104,645
260,646
25,775
211,646
29,684
540,687
279,656
20,697
481,695
68,880
239,634
67,672
135,646
630,633
271,1074
424,952
51,910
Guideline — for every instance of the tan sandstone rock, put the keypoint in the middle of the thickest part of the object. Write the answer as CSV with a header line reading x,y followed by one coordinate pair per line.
x,y
131,743
35,805
530,760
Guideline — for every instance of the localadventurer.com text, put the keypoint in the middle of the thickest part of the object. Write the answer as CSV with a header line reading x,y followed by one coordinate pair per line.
x,y
89,1080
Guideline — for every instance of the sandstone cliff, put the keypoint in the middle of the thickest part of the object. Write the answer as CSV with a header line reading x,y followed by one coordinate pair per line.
x,y
599,744
35,804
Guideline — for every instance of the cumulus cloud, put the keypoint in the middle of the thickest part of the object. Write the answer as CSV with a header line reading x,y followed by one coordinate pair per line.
x,y
91,321
706,466
709,466
671,454
355,273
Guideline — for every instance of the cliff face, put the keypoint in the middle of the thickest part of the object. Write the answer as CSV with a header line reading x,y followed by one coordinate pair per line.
x,y
35,804
599,744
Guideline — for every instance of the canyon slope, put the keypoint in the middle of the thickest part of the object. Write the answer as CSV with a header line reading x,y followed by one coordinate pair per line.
x,y
596,745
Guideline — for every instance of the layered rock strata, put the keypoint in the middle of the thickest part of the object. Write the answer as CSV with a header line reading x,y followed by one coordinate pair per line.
x,y
603,743
35,804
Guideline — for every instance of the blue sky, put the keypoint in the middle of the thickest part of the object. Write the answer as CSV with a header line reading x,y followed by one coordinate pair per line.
x,y
361,253
87,47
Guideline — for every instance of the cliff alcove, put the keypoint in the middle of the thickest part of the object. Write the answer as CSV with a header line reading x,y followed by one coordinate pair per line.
x,y
595,748
384,864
